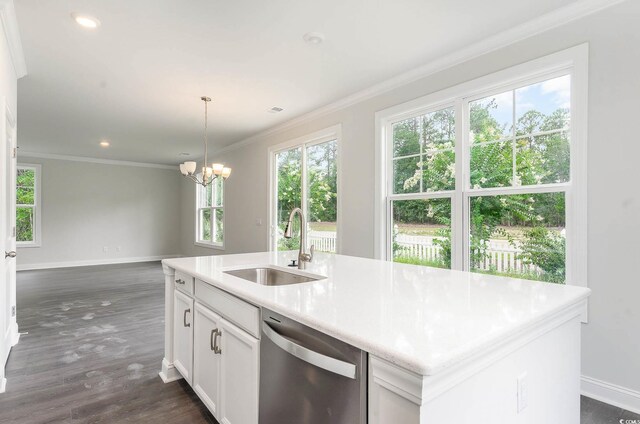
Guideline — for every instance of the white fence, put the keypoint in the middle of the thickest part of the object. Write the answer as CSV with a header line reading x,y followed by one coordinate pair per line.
x,y
501,256
323,241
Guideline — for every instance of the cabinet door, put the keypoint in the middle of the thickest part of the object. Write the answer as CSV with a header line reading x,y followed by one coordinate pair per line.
x,y
183,334
206,362
239,376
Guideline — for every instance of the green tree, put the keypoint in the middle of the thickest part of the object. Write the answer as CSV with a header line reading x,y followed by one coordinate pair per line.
x,y
25,193
540,158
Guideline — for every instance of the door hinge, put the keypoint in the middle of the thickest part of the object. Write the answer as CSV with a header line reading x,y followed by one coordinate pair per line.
x,y
13,231
14,152
13,311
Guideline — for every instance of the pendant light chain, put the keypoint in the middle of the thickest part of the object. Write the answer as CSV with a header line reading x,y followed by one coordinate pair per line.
x,y
205,178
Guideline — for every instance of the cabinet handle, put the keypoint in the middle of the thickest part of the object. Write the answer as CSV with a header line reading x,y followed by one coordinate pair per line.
x,y
212,340
216,349
179,281
184,318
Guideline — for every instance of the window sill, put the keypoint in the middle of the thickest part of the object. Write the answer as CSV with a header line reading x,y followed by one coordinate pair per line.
x,y
27,244
209,245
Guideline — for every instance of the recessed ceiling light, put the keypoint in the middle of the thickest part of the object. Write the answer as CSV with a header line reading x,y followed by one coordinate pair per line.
x,y
86,21
275,109
313,37
105,143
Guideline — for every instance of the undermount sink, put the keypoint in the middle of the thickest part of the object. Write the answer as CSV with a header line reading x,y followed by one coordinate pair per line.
x,y
271,276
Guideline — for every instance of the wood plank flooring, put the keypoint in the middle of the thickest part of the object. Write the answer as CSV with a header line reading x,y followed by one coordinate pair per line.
x,y
595,412
94,347
93,350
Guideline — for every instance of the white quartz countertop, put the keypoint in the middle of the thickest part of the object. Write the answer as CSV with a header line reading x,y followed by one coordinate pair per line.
x,y
422,319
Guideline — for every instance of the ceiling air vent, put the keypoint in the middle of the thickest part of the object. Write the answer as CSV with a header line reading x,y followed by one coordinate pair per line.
x,y
275,109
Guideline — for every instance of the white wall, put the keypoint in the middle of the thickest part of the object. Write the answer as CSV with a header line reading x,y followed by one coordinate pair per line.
x,y
87,206
8,79
611,346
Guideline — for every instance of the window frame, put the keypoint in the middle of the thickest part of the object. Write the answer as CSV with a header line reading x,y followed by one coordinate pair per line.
x,y
37,205
205,243
318,137
573,61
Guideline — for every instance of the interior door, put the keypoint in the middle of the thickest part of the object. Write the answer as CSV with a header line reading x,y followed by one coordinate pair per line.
x,y
8,325
10,225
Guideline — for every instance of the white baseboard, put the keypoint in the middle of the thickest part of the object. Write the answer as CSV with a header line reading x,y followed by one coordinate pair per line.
x,y
15,334
610,393
68,264
3,384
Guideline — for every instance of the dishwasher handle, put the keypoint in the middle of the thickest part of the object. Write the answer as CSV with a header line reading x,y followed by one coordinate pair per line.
x,y
325,362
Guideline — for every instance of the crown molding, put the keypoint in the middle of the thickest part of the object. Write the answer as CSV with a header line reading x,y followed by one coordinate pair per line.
x,y
11,31
94,160
546,22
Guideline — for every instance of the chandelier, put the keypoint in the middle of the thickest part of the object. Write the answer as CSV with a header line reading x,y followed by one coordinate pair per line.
x,y
209,173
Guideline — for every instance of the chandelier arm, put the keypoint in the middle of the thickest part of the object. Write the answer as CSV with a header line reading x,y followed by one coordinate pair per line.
x,y
194,179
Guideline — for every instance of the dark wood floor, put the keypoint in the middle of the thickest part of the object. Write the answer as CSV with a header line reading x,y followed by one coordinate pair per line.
x,y
94,347
594,412
93,350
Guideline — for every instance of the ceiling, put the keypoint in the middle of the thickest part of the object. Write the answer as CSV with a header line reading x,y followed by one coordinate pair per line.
x,y
137,79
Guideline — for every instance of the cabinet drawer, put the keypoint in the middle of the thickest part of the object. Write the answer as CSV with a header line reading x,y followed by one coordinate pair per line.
x,y
237,311
183,282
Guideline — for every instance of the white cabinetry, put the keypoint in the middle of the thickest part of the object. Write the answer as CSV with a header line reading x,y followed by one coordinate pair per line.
x,y
216,348
183,334
240,371
207,357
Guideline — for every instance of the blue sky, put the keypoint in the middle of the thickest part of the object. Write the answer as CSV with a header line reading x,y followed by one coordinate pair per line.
x,y
545,97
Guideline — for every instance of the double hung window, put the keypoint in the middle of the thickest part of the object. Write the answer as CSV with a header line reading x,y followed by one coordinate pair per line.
x,y
210,214
489,176
28,205
305,175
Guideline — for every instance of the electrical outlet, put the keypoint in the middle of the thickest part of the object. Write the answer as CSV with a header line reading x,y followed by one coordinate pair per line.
x,y
13,311
105,249
259,222
523,392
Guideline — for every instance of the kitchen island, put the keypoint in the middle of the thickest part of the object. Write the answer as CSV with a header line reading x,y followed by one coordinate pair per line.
x,y
443,345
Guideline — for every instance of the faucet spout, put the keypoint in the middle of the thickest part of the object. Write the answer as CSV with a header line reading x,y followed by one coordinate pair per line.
x,y
303,257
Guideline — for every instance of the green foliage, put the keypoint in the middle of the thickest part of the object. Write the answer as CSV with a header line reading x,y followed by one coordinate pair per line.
x,y
428,140
25,184
289,165
539,159
24,224
546,250
418,261
322,200
434,212
322,174
25,195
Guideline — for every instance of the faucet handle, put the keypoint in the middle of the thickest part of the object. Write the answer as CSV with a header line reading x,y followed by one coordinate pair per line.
x,y
306,257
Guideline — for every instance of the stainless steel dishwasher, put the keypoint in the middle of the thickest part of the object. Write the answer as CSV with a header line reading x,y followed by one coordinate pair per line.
x,y
307,377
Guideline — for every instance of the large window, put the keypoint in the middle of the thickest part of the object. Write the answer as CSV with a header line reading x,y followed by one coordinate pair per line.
x,y
210,214
305,175
28,205
489,176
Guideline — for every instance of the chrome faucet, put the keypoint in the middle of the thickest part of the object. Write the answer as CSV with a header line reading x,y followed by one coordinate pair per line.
x,y
303,257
